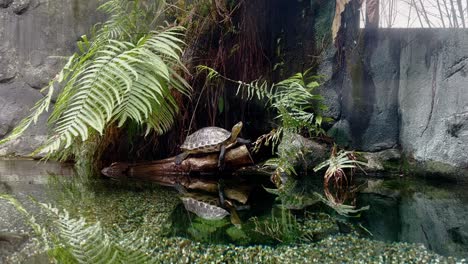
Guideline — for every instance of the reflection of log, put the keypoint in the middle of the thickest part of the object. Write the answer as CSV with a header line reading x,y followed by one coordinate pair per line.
x,y
166,172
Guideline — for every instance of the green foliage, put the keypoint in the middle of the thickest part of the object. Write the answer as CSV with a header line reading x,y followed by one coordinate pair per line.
x,y
336,165
340,160
282,166
287,228
126,73
297,107
70,240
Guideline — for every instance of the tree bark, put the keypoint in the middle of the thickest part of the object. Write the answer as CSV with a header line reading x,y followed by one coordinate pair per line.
x,y
439,7
372,13
166,172
235,158
454,15
460,9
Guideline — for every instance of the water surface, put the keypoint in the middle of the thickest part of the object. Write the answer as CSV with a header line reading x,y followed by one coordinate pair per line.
x,y
401,210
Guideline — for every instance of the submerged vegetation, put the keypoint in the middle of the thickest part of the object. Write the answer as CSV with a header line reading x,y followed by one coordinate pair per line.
x,y
319,238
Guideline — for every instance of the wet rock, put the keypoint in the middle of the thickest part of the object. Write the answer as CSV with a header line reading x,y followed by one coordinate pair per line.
x,y
386,160
459,235
341,133
33,35
10,243
369,90
5,3
302,152
329,88
433,99
15,100
21,6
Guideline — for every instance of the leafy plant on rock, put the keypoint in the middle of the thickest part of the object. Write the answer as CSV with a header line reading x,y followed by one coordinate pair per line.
x,y
125,72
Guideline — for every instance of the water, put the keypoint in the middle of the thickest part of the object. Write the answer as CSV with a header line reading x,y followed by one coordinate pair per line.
x,y
416,211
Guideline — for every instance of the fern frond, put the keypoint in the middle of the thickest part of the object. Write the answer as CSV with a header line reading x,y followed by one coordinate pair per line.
x,y
123,81
297,106
125,71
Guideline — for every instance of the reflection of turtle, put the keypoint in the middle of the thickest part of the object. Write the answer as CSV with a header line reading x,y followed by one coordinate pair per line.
x,y
209,140
209,207
204,207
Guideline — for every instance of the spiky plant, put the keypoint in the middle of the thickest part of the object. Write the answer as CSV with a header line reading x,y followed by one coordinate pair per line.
x,y
335,173
126,72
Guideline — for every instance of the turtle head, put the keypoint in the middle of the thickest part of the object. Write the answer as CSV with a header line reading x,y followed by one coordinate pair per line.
x,y
236,129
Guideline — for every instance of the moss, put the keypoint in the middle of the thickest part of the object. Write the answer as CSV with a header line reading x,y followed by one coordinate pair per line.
x,y
432,169
238,235
409,186
392,166
341,136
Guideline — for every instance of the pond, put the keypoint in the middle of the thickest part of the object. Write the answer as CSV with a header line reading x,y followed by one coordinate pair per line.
x,y
409,220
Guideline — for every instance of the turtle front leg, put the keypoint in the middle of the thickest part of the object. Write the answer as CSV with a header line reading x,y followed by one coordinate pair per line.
x,y
222,153
181,157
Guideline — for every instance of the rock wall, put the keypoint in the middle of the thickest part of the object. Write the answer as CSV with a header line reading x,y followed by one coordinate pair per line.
x,y
405,88
34,37
368,85
433,97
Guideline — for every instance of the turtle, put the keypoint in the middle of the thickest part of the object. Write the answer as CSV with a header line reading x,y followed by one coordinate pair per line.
x,y
211,140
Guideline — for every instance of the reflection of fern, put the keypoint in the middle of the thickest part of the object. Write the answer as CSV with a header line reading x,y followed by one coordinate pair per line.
x,y
76,241
284,229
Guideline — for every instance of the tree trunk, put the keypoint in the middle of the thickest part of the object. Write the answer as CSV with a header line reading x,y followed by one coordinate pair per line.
x,y
460,9
440,13
166,172
454,15
372,13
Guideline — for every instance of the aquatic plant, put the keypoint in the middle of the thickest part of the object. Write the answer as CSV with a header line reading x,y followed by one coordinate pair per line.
x,y
289,228
335,173
283,229
125,72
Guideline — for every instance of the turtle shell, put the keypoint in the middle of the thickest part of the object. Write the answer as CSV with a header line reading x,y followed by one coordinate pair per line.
x,y
206,139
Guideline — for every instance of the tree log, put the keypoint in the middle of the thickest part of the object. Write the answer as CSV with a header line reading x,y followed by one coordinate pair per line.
x,y
235,158
166,172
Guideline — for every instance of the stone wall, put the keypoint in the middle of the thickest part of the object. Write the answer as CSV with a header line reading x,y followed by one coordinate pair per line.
x,y
34,37
405,88
433,97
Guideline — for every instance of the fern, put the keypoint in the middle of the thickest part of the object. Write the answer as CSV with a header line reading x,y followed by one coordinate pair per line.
x,y
293,99
126,72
